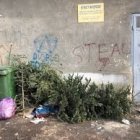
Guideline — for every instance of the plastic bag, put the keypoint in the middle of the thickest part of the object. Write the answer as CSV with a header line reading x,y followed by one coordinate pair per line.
x,y
45,110
41,111
7,108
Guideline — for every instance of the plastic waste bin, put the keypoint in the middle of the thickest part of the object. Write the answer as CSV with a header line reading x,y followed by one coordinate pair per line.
x,y
7,87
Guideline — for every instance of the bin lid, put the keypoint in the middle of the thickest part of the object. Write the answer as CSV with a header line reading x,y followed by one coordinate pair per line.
x,y
5,70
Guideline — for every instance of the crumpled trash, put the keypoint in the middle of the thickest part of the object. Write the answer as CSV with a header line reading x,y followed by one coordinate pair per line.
x,y
29,116
125,121
37,120
98,127
45,110
7,108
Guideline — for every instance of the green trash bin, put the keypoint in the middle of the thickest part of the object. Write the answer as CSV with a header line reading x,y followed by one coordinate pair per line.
x,y
7,87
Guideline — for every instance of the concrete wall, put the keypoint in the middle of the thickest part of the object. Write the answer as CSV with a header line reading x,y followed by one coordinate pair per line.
x,y
46,30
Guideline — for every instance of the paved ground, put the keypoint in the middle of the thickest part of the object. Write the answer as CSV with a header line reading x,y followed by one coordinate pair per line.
x,y
19,128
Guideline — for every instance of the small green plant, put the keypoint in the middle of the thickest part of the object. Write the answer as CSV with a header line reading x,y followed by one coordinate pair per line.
x,y
40,84
22,82
71,97
46,83
115,102
78,101
86,101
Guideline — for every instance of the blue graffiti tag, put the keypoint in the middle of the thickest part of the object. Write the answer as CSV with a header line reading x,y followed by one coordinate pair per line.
x,y
44,49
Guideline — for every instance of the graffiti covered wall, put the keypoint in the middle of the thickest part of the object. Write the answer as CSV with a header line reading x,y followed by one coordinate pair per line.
x,y
48,32
45,46
105,54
